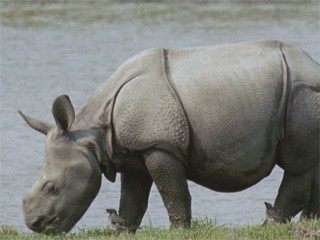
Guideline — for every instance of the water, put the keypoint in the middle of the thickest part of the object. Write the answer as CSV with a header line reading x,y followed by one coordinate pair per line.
x,y
51,49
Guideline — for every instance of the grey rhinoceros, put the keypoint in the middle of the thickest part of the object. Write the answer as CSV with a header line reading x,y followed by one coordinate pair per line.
x,y
220,116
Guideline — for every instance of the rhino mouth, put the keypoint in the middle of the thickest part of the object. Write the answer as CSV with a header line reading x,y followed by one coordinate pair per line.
x,y
42,225
52,222
58,224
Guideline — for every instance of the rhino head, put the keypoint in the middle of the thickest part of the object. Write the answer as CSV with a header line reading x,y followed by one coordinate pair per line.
x,y
70,177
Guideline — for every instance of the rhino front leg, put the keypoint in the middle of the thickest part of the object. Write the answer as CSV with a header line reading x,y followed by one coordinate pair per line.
x,y
170,178
135,190
294,193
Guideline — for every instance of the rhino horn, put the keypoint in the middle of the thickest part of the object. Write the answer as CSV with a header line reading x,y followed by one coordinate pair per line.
x,y
36,124
63,112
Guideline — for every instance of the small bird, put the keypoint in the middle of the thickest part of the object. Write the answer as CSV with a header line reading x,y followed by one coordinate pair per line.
x,y
272,215
118,223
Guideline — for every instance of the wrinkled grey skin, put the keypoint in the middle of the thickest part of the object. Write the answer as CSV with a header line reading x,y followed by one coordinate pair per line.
x,y
220,116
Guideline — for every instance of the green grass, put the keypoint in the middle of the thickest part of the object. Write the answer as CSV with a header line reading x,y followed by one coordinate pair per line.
x,y
200,229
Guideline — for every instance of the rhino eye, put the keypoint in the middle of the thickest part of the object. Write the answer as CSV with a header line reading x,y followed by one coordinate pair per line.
x,y
51,188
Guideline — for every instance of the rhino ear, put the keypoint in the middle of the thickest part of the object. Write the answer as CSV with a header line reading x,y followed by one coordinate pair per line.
x,y
63,112
36,124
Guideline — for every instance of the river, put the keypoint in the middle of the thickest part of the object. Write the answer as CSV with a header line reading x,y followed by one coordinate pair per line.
x,y
51,49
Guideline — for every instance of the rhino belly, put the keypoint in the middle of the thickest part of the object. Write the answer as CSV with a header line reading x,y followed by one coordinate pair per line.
x,y
233,106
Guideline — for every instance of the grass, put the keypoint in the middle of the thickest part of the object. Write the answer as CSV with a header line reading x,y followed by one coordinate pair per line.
x,y
200,229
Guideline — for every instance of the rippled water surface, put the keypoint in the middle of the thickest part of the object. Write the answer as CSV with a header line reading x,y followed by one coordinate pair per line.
x,y
51,49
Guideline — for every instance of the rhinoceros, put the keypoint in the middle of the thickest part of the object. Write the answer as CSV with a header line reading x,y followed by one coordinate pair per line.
x,y
220,116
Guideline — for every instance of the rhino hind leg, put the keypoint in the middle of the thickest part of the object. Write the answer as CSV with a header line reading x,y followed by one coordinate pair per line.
x,y
312,210
299,154
293,195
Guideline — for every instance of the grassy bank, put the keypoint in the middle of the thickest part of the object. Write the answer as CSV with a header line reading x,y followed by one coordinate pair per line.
x,y
201,229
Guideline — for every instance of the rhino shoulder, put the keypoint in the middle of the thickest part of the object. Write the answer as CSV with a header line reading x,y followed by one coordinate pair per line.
x,y
147,113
